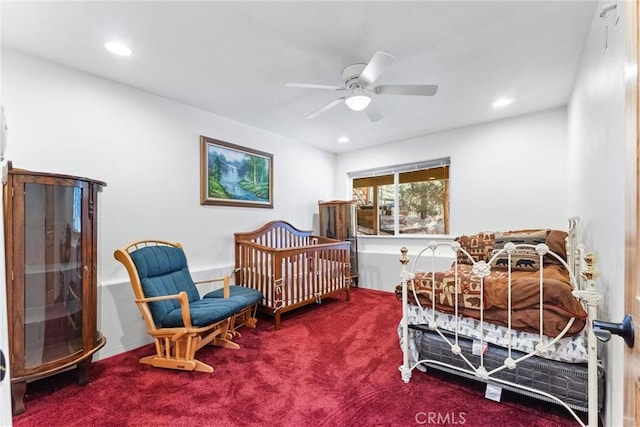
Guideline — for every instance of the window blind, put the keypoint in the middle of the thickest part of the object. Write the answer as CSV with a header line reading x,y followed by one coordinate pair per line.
x,y
412,172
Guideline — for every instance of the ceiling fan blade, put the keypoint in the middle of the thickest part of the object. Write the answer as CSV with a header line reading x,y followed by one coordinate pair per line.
x,y
325,108
417,90
376,66
313,86
373,112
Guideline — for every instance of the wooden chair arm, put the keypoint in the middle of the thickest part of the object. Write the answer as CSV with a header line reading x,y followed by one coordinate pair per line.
x,y
226,282
179,335
184,305
162,298
217,279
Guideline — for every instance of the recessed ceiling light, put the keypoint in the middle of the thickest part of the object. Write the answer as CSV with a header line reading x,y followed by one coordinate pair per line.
x,y
502,102
343,140
118,48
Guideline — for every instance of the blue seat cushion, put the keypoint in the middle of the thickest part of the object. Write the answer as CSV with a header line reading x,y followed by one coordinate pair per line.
x,y
252,296
205,312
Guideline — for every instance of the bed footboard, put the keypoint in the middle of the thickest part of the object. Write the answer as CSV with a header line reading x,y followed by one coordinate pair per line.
x,y
470,362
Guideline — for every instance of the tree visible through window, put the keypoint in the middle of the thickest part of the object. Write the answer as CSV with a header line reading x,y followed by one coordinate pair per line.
x,y
420,191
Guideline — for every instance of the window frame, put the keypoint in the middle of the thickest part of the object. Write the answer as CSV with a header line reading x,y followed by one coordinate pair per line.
x,y
380,176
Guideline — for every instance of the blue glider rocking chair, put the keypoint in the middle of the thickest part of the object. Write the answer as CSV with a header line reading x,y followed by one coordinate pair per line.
x,y
177,318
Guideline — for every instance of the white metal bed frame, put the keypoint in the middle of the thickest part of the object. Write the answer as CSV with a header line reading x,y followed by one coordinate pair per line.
x,y
582,272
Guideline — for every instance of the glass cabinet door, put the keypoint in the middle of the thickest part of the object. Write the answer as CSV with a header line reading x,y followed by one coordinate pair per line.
x,y
53,272
350,233
338,220
328,226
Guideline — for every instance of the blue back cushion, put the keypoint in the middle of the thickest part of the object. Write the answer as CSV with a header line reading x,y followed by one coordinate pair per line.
x,y
163,271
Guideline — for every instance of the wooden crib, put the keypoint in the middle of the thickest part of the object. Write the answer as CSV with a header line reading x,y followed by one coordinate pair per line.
x,y
291,267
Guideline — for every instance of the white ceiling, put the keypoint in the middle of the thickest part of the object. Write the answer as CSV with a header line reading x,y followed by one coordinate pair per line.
x,y
234,58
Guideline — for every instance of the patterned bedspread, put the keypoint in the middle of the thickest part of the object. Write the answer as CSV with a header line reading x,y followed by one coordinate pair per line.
x,y
462,288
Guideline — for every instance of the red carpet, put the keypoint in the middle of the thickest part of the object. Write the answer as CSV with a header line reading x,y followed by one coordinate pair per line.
x,y
330,365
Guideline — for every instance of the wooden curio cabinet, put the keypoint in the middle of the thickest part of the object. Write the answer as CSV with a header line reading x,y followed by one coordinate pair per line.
x,y
50,246
338,221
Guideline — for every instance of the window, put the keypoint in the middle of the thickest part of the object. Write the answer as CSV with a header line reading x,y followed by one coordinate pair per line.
x,y
419,190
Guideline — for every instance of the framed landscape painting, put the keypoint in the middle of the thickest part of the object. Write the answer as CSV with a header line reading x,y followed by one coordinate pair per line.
x,y
232,175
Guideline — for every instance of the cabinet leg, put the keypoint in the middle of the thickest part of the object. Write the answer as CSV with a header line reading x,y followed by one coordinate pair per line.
x,y
18,390
83,371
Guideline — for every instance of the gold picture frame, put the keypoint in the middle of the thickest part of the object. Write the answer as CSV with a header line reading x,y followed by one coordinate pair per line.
x,y
232,175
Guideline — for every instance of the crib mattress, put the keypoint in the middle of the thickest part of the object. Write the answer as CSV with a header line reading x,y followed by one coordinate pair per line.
x,y
566,381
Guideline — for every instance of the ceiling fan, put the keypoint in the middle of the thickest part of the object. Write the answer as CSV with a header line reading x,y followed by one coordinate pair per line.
x,y
358,85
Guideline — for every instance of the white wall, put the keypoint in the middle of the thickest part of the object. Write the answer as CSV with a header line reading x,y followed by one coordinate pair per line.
x,y
517,165
505,175
379,259
597,176
146,148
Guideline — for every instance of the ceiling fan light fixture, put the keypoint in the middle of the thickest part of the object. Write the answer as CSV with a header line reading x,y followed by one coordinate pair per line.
x,y
357,102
